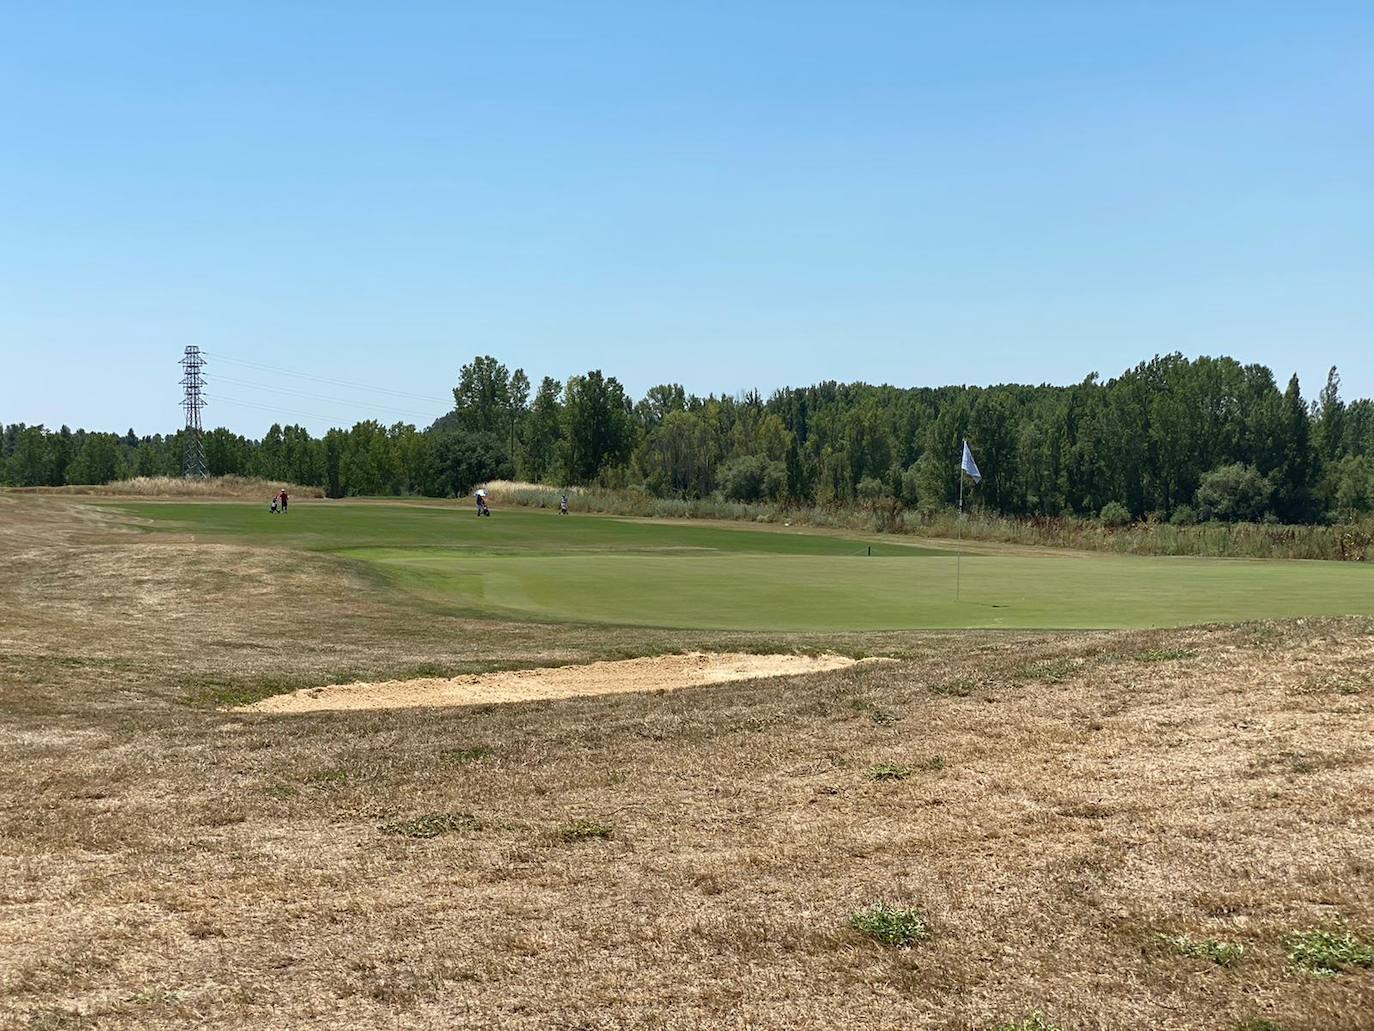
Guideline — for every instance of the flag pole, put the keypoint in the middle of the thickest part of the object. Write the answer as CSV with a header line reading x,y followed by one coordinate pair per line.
x,y
959,535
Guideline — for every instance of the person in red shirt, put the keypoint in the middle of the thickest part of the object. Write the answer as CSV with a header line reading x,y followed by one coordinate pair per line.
x,y
284,500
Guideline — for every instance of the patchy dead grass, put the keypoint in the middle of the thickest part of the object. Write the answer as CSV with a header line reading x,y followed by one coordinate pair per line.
x,y
179,487
164,864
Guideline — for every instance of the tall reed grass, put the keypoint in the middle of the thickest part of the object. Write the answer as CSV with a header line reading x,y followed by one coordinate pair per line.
x,y
178,487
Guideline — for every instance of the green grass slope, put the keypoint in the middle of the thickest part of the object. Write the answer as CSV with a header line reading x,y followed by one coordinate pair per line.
x,y
537,565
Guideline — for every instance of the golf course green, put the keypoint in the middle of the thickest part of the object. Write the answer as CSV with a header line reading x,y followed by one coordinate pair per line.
x,y
533,564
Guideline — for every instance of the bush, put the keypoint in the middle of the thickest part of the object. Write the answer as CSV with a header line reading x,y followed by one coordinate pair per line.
x,y
1233,494
870,489
1115,514
1184,515
742,479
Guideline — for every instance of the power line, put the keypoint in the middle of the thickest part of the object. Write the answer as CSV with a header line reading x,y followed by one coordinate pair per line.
x,y
279,410
372,388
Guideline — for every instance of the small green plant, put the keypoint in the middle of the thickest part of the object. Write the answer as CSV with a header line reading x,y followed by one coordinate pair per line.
x,y
281,791
1221,953
885,717
893,926
1328,953
584,830
1033,1022
1257,1024
431,825
932,764
888,771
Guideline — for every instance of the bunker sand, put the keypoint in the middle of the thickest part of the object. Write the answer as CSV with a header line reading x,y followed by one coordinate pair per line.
x,y
654,673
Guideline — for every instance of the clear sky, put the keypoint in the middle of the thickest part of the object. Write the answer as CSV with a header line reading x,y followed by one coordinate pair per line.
x,y
727,195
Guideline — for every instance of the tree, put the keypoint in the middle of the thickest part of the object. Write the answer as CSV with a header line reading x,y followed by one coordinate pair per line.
x,y
1295,472
1354,486
31,463
482,398
96,460
659,402
454,461
1330,429
597,429
543,429
519,402
679,456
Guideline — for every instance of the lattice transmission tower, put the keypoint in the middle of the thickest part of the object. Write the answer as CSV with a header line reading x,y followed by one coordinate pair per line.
x,y
193,400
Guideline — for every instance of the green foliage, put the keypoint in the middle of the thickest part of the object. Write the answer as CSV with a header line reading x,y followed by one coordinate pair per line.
x,y
1223,954
1326,953
1114,514
1234,493
1168,436
1184,515
745,478
891,925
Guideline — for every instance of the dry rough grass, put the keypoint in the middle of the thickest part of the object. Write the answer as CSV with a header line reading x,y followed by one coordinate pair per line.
x,y
689,859
178,487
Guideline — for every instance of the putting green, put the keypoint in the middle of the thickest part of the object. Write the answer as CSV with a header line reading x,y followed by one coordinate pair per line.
x,y
536,565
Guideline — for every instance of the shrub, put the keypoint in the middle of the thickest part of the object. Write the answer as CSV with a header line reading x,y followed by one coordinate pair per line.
x,y
1115,514
891,925
743,479
1184,515
1233,493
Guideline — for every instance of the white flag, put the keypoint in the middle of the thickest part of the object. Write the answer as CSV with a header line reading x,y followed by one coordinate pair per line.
x,y
970,466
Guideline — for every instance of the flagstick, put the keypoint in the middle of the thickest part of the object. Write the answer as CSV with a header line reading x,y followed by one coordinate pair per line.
x,y
959,536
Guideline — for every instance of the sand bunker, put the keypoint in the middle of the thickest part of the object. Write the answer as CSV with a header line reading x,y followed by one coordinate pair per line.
x,y
657,673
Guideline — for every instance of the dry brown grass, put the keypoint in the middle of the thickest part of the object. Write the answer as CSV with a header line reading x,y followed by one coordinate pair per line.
x,y
178,487
164,864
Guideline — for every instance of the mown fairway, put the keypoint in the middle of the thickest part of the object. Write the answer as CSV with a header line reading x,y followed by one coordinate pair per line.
x,y
536,565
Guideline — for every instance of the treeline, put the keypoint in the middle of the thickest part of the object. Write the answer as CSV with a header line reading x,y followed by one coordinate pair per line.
x,y
1171,439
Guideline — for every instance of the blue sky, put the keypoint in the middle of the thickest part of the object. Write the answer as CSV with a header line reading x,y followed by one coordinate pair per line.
x,y
726,195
